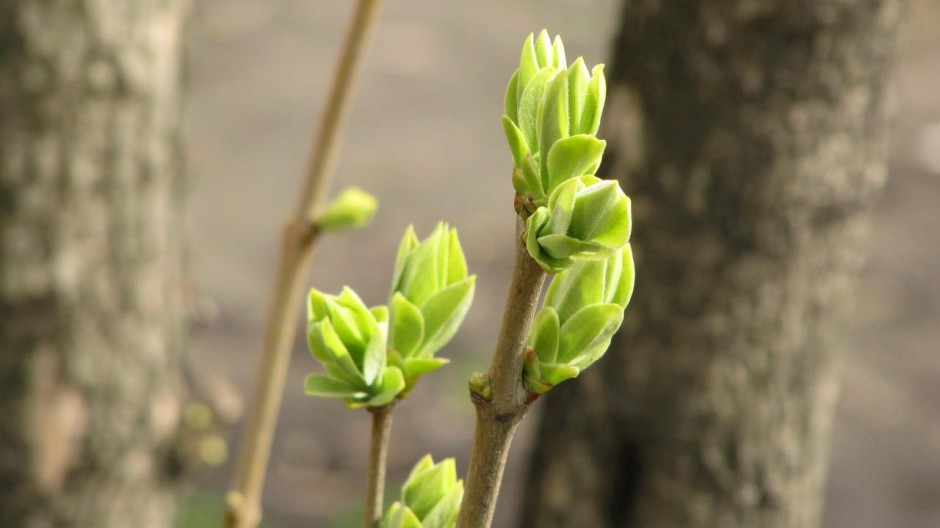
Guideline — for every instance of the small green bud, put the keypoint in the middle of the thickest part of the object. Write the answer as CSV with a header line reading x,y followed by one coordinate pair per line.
x,y
480,385
585,218
350,341
352,209
583,309
431,497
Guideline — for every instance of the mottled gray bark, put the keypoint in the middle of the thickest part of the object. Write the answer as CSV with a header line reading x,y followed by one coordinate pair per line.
x,y
90,262
751,136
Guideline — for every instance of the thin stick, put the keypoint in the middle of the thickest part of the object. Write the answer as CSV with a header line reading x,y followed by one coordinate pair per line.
x,y
296,249
498,416
378,455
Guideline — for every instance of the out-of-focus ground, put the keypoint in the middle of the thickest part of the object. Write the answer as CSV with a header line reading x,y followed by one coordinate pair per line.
x,y
425,138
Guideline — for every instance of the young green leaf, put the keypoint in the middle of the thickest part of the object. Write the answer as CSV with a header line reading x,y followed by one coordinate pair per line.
x,y
393,382
558,49
572,157
373,361
330,387
543,338
399,516
511,101
528,62
408,242
553,118
590,326
581,285
529,105
417,366
407,331
578,80
594,102
444,312
543,49
559,372
516,140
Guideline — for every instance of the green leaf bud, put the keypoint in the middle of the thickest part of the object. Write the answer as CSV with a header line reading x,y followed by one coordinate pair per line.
x,y
585,218
350,341
431,295
431,497
583,309
547,102
352,209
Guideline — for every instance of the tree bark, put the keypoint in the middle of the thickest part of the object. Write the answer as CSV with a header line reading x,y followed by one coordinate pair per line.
x,y
91,312
751,136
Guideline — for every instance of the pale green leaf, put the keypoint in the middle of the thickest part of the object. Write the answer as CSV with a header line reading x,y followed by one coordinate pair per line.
x,y
558,49
589,326
578,81
528,63
316,305
422,465
543,49
444,312
516,140
456,262
373,360
512,98
421,277
563,246
400,516
533,182
622,290
330,387
578,286
561,206
445,511
595,209
409,241
415,366
429,487
392,383
572,157
557,373
553,119
337,360
407,327
543,338
379,313
529,106
594,102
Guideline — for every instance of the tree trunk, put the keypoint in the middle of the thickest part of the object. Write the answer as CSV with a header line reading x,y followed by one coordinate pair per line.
x,y
751,136
90,261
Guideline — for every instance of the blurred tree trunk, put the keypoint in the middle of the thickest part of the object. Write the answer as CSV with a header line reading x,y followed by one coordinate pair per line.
x,y
751,135
90,261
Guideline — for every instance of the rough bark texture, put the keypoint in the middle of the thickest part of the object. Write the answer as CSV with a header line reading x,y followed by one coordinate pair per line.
x,y
751,135
90,261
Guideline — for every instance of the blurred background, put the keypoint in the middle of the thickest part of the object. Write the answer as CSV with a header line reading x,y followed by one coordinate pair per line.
x,y
425,139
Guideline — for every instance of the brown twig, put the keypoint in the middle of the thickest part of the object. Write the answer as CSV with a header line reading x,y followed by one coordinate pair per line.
x,y
297,246
505,403
378,455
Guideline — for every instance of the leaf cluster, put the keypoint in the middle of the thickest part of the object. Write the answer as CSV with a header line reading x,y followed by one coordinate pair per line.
x,y
430,497
373,355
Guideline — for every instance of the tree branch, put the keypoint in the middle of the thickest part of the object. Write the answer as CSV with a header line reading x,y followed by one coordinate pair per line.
x,y
502,406
244,499
378,454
